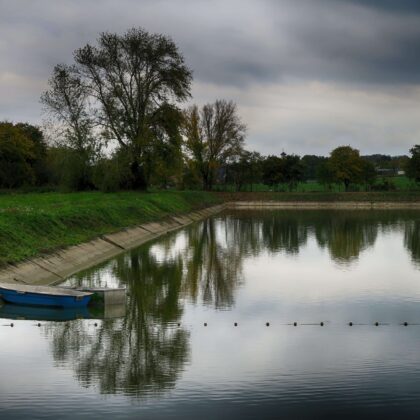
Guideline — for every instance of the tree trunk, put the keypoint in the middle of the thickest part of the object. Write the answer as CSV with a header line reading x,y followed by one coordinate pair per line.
x,y
207,182
346,184
139,181
208,185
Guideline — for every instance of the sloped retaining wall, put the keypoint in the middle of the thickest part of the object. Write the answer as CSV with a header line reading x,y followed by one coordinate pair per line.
x,y
302,205
54,268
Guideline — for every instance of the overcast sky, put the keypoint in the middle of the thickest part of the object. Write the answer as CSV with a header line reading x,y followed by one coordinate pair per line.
x,y
307,75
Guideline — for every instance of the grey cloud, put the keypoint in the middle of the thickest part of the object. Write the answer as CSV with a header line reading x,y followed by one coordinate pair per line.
x,y
240,46
235,42
399,6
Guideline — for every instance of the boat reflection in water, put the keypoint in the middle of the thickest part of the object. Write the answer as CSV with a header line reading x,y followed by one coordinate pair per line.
x,y
43,313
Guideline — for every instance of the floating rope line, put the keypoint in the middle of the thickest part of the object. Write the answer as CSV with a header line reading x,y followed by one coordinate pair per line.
x,y
324,323
294,324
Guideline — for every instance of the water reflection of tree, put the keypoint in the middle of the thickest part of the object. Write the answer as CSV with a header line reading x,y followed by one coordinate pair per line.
x,y
145,352
412,239
142,353
283,234
344,233
346,236
213,263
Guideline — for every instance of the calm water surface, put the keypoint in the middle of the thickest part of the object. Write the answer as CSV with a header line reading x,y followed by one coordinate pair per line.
x,y
156,359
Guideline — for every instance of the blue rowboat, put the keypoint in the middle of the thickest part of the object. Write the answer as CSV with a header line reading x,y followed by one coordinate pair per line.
x,y
23,294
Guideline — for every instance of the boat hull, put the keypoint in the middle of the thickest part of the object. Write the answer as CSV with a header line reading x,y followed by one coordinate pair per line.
x,y
37,299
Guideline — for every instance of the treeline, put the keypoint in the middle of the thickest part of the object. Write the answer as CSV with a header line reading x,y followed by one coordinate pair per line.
x,y
345,166
115,122
27,160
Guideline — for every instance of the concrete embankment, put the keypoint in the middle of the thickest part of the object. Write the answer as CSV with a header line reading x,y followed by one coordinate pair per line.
x,y
56,267
314,205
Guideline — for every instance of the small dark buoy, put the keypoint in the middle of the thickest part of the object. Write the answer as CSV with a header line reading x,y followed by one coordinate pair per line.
x,y
350,324
12,325
322,324
205,324
179,324
267,324
95,324
405,324
39,324
235,324
376,323
295,324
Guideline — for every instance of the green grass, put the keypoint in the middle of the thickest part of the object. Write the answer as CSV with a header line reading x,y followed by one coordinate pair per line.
x,y
32,224
401,183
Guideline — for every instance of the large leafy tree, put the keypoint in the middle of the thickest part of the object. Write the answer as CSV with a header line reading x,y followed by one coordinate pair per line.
x,y
413,165
246,169
325,175
368,174
67,103
272,170
311,164
214,135
346,166
132,83
17,154
293,170
287,169
39,149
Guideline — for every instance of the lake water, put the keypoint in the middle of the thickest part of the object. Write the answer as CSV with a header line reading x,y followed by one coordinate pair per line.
x,y
174,350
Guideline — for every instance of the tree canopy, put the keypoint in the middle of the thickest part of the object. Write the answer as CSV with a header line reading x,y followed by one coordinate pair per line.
x,y
287,169
346,165
22,155
413,165
129,86
214,134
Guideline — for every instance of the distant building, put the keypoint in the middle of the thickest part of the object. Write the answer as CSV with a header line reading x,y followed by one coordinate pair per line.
x,y
385,172
389,171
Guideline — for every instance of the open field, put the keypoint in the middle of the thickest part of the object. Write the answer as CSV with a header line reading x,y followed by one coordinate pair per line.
x,y
400,183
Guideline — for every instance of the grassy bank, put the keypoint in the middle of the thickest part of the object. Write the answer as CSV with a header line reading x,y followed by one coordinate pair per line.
x,y
32,224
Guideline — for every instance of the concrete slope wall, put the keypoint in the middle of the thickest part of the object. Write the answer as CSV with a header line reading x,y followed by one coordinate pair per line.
x,y
299,205
54,268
